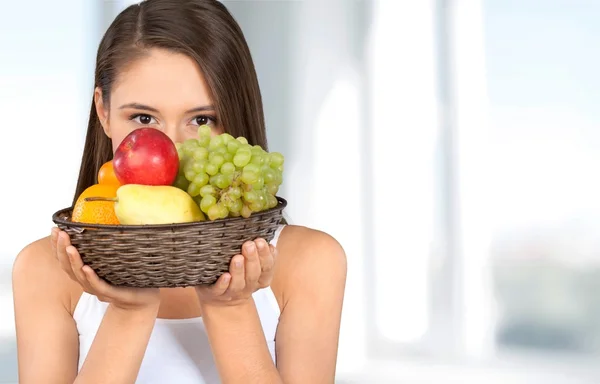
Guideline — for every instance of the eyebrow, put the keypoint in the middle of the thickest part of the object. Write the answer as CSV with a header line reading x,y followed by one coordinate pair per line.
x,y
143,107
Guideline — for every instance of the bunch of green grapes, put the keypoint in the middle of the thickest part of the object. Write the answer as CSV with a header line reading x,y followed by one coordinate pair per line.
x,y
227,177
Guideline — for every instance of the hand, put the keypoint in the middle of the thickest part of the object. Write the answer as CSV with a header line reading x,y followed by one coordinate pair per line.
x,y
120,297
248,272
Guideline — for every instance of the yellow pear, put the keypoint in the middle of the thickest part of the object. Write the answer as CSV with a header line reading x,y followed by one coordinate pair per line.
x,y
155,204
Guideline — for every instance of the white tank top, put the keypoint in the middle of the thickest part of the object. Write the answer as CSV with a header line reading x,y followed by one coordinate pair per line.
x,y
178,350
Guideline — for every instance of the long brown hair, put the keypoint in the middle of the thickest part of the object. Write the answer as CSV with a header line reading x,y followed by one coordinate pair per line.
x,y
205,31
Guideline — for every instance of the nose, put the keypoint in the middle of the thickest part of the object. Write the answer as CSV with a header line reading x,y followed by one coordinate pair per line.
x,y
174,133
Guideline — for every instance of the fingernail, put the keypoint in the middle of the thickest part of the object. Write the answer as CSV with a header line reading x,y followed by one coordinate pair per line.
x,y
238,263
261,244
226,278
250,247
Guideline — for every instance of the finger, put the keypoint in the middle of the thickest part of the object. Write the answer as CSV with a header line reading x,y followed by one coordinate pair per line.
x,y
221,285
100,287
77,268
274,252
238,282
53,239
265,254
267,268
61,244
252,267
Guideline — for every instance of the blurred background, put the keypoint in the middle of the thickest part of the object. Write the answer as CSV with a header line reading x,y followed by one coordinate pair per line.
x,y
449,145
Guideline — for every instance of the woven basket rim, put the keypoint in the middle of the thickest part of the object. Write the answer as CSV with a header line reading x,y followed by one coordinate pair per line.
x,y
56,218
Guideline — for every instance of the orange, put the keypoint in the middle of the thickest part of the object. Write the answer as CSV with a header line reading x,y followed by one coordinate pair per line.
x,y
106,174
96,212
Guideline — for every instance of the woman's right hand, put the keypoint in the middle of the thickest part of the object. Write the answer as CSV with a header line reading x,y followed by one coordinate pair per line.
x,y
121,297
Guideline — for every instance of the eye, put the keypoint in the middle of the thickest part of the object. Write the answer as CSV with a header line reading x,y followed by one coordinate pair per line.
x,y
203,120
143,119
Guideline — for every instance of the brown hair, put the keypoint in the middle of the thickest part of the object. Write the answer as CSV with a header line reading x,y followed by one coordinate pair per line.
x,y
201,29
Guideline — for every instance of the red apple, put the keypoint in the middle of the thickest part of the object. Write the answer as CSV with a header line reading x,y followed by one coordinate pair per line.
x,y
146,156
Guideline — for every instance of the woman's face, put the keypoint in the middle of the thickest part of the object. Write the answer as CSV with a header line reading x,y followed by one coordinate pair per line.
x,y
163,90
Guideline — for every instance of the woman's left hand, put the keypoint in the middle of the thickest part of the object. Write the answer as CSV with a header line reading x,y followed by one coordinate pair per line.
x,y
248,272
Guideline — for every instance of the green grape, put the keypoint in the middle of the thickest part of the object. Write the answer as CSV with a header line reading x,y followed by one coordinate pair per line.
x,y
278,178
228,177
235,192
190,145
212,169
276,159
217,211
200,153
257,151
204,141
216,159
257,159
207,202
252,168
271,201
181,182
220,181
262,197
199,166
259,184
250,174
251,196
182,163
272,188
224,212
269,175
235,205
204,131
201,179
241,158
188,165
246,212
190,175
215,142
256,206
227,168
193,189
233,146
249,177
208,190
227,138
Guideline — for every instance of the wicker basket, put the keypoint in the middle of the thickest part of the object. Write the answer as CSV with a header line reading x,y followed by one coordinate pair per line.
x,y
174,255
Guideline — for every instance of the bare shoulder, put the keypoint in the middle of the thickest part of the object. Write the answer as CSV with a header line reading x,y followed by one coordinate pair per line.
x,y
308,257
310,247
43,318
309,283
37,274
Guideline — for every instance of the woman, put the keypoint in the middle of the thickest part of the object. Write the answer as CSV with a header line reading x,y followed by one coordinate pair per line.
x,y
274,318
